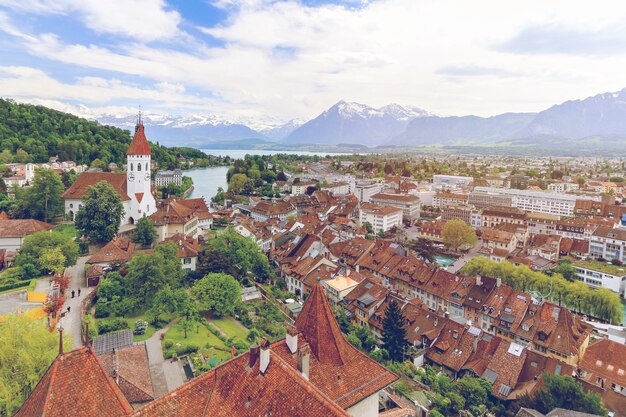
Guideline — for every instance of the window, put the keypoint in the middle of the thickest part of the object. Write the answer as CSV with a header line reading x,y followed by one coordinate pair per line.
x,y
131,166
187,261
138,167
146,166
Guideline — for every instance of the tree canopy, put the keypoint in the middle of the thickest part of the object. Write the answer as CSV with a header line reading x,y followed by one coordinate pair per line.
x,y
394,331
42,201
101,214
145,233
27,349
458,234
218,292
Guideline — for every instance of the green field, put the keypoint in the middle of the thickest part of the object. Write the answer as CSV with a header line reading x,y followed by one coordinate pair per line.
x,y
231,327
209,344
131,325
68,230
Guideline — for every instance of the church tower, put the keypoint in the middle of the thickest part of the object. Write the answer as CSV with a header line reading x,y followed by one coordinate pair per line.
x,y
138,171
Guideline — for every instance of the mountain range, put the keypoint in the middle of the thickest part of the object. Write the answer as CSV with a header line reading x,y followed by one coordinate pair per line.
x,y
602,116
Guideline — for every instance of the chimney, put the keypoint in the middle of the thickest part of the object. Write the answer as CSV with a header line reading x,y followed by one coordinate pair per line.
x,y
475,344
479,280
254,354
265,355
304,355
498,282
455,334
357,267
436,322
446,314
60,340
292,339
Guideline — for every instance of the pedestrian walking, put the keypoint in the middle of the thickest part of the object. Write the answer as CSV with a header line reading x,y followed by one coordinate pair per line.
x,y
79,292
72,293
68,308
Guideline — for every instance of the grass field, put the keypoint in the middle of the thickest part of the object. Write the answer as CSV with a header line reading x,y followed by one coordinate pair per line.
x,y
131,324
231,327
209,344
68,230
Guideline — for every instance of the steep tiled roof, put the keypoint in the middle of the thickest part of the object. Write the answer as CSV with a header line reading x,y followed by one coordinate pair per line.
x,y
129,367
187,246
605,359
139,144
85,180
171,212
338,369
75,385
22,228
235,389
117,250
564,332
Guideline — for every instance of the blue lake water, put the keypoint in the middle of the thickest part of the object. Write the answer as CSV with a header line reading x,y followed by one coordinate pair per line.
x,y
241,153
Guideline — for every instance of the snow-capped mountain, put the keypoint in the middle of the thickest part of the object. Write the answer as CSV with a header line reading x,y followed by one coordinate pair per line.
x,y
175,130
355,123
282,130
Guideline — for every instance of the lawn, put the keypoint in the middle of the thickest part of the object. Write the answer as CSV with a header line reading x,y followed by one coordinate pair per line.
x,y
209,344
68,230
131,325
231,327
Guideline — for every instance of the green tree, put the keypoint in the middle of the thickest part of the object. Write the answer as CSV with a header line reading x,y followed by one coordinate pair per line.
x,y
237,183
189,315
220,293
27,349
37,244
6,156
42,201
101,214
145,233
457,234
394,332
52,260
562,391
148,274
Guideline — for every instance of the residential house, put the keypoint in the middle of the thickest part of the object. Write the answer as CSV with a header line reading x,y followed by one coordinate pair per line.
x,y
14,231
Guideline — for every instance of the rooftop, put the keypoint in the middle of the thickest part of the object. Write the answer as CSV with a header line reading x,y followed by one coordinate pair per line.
x,y
604,267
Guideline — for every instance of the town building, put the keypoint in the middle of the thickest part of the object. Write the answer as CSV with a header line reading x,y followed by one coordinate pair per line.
x,y
364,190
410,204
493,216
165,178
482,200
173,217
382,218
458,212
539,201
597,274
448,181
608,243
443,199
134,187
337,188
14,231
301,187
272,209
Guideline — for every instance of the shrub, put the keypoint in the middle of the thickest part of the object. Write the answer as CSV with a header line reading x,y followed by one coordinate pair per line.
x,y
112,326
156,319
83,248
168,344
102,311
185,349
140,327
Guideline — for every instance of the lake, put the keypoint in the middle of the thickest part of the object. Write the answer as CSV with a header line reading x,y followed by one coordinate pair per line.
x,y
241,153
206,181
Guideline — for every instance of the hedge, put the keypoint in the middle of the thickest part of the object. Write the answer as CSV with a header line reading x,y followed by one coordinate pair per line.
x,y
28,284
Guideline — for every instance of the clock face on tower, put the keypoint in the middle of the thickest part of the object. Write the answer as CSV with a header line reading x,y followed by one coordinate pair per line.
x,y
147,176
131,176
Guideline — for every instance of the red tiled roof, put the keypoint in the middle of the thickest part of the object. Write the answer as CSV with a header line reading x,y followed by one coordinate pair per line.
x,y
605,359
235,389
133,372
85,180
75,385
139,197
139,144
117,250
22,227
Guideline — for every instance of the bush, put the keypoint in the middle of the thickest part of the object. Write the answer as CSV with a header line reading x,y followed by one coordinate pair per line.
x,y
156,319
112,326
168,344
83,248
15,285
140,327
185,349
102,311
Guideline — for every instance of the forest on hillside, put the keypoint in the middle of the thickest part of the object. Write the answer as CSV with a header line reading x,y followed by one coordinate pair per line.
x,y
34,133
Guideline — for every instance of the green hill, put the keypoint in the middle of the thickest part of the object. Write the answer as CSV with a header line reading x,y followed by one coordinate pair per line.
x,y
42,132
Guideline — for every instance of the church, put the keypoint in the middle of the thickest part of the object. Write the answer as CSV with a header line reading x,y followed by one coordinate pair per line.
x,y
134,187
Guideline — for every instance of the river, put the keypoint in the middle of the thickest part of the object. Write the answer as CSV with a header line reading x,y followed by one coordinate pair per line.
x,y
206,181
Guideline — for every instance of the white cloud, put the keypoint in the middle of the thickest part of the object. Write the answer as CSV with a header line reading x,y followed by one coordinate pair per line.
x,y
145,20
284,59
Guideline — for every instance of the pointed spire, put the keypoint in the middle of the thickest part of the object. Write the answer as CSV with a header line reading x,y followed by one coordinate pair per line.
x,y
317,323
139,145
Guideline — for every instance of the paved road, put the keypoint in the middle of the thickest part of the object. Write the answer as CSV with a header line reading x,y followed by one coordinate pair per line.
x,y
461,261
71,321
166,375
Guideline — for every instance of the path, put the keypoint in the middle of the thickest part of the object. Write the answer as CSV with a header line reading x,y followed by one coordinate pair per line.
x,y
166,375
71,322
462,260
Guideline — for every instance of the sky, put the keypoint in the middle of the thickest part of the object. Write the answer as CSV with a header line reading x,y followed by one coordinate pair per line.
x,y
275,60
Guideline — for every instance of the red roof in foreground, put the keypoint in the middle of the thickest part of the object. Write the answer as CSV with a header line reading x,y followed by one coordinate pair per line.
x,y
237,389
76,385
139,145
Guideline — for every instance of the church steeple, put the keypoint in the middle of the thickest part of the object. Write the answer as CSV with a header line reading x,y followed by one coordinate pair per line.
x,y
139,145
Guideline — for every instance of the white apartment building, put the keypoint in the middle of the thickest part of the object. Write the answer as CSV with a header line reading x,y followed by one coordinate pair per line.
x,y
608,243
337,188
165,178
449,199
301,187
598,274
364,190
563,187
382,218
539,201
410,204
441,180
